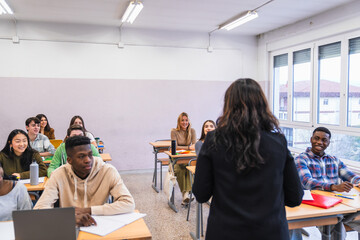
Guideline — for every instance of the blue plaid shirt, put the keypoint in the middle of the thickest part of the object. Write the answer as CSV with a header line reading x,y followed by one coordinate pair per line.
x,y
317,172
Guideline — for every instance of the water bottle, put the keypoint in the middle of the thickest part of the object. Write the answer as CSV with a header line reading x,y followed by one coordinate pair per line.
x,y
173,147
34,173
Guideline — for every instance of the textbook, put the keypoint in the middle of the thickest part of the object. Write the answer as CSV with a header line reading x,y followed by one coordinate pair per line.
x,y
322,201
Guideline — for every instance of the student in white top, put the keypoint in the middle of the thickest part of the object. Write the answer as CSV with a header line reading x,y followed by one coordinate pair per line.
x,y
13,196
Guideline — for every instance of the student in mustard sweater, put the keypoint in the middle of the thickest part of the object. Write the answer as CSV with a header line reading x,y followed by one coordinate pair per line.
x,y
17,156
60,154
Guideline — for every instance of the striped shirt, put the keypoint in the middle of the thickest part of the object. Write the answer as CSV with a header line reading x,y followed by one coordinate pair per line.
x,y
317,172
42,144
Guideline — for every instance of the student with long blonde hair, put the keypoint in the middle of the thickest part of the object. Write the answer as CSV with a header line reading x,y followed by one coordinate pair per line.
x,y
185,137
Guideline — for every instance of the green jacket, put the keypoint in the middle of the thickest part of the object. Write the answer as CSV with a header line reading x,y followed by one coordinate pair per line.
x,y
13,165
60,157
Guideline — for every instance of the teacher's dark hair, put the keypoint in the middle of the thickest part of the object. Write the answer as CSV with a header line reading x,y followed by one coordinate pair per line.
x,y
245,114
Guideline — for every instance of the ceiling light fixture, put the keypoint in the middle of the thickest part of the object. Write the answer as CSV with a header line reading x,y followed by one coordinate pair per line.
x,y
239,20
132,11
4,8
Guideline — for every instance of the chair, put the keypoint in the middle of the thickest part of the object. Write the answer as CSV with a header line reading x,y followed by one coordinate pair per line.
x,y
163,162
192,162
56,142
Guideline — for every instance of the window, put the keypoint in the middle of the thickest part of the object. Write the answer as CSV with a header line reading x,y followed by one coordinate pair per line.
x,y
354,83
329,83
301,85
322,88
280,86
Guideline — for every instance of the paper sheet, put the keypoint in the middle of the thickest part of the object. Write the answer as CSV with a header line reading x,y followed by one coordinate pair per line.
x,y
7,230
352,193
307,195
108,224
24,181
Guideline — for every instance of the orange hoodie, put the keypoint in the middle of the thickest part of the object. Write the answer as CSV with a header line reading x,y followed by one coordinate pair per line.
x,y
93,191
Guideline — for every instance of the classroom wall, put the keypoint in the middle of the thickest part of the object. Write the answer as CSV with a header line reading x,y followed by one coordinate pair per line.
x,y
127,96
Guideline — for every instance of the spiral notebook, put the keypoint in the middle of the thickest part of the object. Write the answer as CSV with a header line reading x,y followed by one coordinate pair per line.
x,y
322,201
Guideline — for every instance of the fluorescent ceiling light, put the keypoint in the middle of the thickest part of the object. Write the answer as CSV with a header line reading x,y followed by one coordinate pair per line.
x,y
4,8
132,11
239,20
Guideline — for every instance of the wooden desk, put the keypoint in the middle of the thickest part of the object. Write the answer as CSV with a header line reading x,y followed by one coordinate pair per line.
x,y
191,169
136,230
159,146
39,187
180,159
105,157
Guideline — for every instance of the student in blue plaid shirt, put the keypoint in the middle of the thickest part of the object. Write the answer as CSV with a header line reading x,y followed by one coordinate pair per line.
x,y
318,170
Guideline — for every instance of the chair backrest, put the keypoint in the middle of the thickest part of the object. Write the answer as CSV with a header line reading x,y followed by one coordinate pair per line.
x,y
192,162
56,142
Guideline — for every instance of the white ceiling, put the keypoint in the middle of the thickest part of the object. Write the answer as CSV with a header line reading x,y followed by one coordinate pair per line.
x,y
178,15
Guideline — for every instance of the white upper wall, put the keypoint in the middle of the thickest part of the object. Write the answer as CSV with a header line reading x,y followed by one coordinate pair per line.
x,y
77,51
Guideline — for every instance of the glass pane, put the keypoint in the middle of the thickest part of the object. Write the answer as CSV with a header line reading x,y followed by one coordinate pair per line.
x,y
300,138
354,89
280,86
329,85
302,85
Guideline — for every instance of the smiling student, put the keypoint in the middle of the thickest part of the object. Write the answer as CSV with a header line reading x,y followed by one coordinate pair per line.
x,y
185,137
86,183
318,170
78,120
45,126
38,141
17,156
209,125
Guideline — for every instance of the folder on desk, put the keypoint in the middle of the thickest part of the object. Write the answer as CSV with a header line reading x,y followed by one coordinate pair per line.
x,y
322,201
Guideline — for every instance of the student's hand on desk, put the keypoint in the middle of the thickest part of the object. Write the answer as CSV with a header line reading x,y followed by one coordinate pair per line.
x,y
17,175
84,219
342,187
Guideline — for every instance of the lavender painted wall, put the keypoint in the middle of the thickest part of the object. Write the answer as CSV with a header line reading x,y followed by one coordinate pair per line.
x,y
126,114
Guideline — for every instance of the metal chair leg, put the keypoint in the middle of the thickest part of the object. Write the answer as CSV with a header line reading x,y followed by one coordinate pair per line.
x,y
202,224
189,206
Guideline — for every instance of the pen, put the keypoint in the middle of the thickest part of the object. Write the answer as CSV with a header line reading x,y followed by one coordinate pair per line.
x,y
344,197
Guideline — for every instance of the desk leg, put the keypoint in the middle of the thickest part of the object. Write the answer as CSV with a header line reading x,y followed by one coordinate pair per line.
x,y
172,202
154,185
326,234
196,236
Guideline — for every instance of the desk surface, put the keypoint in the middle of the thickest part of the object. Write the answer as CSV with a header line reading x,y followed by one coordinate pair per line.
x,y
188,155
355,203
39,187
135,230
308,211
161,144
105,157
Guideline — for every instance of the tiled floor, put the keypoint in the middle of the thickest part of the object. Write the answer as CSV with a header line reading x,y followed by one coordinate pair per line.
x,y
165,224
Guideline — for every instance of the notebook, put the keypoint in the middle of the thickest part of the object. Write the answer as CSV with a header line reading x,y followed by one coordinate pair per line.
x,y
322,201
45,224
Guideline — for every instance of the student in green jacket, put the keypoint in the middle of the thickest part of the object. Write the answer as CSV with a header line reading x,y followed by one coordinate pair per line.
x,y
60,154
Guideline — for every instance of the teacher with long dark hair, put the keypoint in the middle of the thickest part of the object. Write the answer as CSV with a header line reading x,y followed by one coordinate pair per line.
x,y
246,166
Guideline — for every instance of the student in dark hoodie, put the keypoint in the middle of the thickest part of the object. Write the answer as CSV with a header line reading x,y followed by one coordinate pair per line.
x,y
86,183
246,166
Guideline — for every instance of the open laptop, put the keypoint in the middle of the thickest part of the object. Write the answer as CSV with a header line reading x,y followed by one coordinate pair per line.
x,y
45,224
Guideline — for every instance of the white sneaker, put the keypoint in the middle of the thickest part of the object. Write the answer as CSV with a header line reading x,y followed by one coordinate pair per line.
x,y
186,198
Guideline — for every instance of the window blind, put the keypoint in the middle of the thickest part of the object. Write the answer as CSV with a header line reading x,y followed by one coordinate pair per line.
x,y
302,56
330,50
281,60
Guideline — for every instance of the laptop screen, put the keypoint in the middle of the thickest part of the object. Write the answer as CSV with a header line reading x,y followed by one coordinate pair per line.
x,y
55,224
